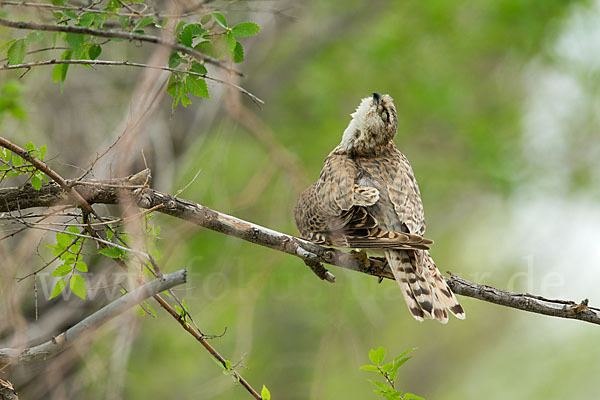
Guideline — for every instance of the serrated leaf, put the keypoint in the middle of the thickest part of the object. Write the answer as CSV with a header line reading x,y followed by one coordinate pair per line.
x,y
196,86
238,53
81,266
73,229
58,288
17,52
245,29
63,240
186,36
78,286
377,356
369,368
412,396
109,234
94,51
36,182
112,252
220,19
62,270
265,394
43,151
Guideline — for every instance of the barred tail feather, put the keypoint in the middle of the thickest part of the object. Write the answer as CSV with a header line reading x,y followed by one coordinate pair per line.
x,y
425,291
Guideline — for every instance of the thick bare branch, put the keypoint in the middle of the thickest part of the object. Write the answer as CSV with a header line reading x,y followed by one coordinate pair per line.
x,y
58,343
314,254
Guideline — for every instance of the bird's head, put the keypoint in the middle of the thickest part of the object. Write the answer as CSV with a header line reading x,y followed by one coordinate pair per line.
x,y
374,124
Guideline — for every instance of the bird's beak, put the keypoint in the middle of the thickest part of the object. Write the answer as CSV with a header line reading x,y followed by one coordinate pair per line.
x,y
377,98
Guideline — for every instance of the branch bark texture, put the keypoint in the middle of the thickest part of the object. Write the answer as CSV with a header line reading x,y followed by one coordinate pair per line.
x,y
312,254
117,307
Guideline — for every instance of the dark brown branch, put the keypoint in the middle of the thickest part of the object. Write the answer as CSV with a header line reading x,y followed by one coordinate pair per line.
x,y
119,35
58,343
314,254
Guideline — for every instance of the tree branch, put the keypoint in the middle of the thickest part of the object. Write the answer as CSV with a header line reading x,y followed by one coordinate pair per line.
x,y
58,343
130,64
119,35
312,254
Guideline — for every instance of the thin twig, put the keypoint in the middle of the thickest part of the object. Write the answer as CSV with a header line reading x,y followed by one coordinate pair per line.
x,y
117,307
131,64
120,35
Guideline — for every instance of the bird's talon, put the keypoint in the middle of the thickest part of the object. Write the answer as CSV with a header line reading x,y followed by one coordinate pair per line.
x,y
361,255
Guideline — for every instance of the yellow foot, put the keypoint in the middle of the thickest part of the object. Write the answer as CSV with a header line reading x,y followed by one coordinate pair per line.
x,y
362,256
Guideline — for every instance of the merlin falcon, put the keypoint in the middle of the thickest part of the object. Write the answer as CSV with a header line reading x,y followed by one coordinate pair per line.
x,y
367,198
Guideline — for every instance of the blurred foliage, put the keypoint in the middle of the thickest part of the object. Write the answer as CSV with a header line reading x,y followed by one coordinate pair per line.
x,y
458,74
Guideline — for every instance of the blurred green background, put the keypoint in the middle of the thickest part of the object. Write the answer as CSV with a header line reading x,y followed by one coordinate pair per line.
x,y
497,104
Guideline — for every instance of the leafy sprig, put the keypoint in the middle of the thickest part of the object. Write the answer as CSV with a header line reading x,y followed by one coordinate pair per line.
x,y
388,371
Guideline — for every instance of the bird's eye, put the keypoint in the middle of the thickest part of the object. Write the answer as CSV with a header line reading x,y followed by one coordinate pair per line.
x,y
384,115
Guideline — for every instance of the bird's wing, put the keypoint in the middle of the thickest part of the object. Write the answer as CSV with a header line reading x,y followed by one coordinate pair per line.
x,y
405,196
335,211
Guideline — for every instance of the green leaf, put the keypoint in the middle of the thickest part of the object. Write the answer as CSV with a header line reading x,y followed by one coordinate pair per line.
x,y
198,68
86,19
59,73
75,40
64,240
62,270
245,29
382,386
94,51
17,52
205,19
73,229
34,37
369,367
399,356
387,367
36,182
144,22
77,285
43,150
58,288
220,19
81,266
411,396
174,60
196,86
187,36
238,53
70,14
265,394
112,252
207,48
377,356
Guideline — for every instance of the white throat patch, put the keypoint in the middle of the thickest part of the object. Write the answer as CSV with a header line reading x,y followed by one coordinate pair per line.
x,y
356,132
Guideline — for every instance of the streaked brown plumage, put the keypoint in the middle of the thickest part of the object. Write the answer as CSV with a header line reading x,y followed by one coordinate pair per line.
x,y
367,197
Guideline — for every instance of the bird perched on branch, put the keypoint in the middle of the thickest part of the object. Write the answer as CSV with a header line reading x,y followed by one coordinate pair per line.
x,y
367,197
